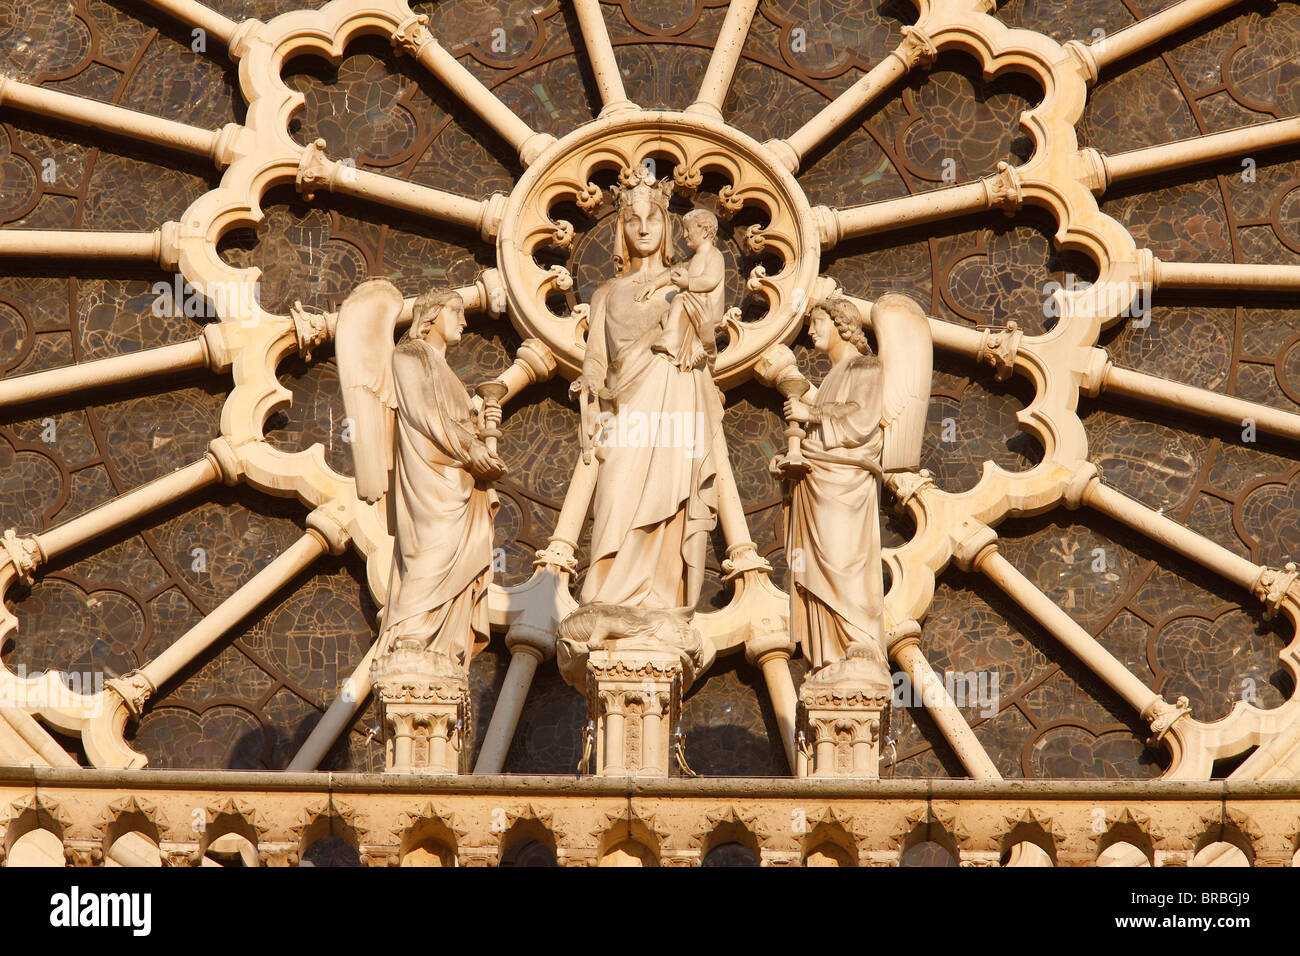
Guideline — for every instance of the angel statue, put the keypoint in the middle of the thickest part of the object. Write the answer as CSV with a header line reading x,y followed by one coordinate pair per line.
x,y
868,417
418,440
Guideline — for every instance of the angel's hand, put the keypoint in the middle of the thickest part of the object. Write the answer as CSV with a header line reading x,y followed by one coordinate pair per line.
x,y
491,418
483,464
797,411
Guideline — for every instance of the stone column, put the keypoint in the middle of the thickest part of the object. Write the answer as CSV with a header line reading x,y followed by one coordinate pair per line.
x,y
425,710
841,706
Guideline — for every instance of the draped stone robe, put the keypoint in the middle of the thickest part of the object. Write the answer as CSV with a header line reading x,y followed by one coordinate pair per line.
x,y
833,529
656,472
441,517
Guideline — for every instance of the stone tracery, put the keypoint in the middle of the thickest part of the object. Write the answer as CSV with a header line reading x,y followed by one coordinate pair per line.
x,y
1057,177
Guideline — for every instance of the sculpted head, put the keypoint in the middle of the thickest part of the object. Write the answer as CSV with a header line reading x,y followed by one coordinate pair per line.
x,y
644,226
700,225
837,318
438,314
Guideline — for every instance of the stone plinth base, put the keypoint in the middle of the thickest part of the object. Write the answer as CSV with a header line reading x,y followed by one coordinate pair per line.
x,y
841,706
633,697
633,665
424,705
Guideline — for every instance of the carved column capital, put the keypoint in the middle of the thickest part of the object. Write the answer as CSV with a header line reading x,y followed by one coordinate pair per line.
x,y
135,690
1085,479
1084,59
1003,190
906,485
998,348
916,49
1273,586
24,554
315,170
768,639
526,639
413,35
1162,716
310,328
328,527
223,456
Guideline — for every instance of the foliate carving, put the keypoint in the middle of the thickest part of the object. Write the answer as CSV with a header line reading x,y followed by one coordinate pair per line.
x,y
589,198
906,485
998,349
135,689
311,329
730,200
841,706
24,554
413,35
916,49
1273,586
1004,190
563,235
687,179
1162,715
315,171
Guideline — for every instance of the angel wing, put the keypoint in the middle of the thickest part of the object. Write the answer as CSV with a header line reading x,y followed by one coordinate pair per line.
x,y
906,363
363,345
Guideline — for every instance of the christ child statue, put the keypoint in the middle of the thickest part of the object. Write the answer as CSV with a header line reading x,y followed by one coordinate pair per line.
x,y
700,293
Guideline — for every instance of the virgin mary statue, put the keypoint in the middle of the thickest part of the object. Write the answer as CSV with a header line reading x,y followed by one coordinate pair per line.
x,y
655,502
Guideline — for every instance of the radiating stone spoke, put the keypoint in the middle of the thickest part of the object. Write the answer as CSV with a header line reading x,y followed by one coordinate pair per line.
x,y
323,536
414,38
979,552
1201,401
158,246
1145,34
58,382
726,55
916,49
1000,191
910,659
1240,276
317,172
96,115
1213,147
600,53
195,14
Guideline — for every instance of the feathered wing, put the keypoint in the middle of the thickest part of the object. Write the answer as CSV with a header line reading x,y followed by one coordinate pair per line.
x,y
906,363
363,345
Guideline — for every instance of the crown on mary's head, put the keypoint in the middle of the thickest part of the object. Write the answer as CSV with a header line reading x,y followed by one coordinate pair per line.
x,y
636,183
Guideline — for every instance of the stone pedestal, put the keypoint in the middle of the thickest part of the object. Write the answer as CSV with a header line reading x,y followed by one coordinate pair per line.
x,y
633,697
424,704
841,706
632,665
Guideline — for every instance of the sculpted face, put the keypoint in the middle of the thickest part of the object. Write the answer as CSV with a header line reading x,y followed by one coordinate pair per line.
x,y
447,323
643,228
822,329
451,320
